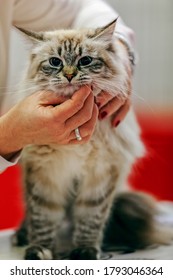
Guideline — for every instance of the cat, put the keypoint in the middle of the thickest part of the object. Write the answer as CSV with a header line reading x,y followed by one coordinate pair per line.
x,y
72,191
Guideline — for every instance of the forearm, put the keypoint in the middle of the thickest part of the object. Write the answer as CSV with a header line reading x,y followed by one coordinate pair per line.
x,y
9,142
9,150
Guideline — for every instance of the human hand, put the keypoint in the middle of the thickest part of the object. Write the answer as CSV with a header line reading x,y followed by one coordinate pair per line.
x,y
115,106
42,118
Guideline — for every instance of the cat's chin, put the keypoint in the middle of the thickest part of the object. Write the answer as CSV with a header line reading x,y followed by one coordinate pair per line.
x,y
67,90
70,89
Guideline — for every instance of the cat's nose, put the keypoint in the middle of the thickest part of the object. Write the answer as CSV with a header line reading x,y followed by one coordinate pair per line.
x,y
69,72
69,76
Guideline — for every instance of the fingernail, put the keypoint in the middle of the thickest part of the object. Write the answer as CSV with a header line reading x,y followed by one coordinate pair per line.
x,y
117,123
103,115
98,104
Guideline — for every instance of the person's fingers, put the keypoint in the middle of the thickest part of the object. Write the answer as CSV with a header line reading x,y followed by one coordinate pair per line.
x,y
114,104
83,115
86,130
103,98
121,113
73,105
111,107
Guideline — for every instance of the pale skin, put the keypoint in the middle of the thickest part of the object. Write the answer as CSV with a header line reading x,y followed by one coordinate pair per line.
x,y
39,120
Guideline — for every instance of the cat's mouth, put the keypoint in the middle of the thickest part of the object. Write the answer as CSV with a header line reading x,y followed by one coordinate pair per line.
x,y
70,85
68,89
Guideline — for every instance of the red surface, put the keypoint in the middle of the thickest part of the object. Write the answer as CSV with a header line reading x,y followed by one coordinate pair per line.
x,y
153,174
11,198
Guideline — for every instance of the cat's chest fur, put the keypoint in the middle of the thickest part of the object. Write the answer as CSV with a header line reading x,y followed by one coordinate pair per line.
x,y
108,146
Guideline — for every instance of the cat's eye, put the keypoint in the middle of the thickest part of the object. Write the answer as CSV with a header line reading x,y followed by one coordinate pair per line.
x,y
55,61
85,60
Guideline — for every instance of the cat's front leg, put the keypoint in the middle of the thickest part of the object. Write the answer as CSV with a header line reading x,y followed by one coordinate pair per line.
x,y
44,217
90,214
41,234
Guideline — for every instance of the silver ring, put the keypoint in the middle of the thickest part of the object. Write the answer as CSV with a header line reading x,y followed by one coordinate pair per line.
x,y
77,133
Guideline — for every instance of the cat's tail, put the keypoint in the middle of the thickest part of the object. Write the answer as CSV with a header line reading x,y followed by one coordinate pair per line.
x,y
132,224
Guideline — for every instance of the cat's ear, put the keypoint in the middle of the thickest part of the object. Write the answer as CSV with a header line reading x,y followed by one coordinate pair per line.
x,y
35,37
105,33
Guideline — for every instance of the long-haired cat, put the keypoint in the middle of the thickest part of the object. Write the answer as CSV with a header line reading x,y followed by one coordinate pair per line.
x,y
72,191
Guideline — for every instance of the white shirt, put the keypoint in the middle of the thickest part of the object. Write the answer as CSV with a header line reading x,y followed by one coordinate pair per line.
x,y
40,15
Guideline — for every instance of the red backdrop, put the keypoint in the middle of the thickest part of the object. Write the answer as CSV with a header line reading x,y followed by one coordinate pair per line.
x,y
153,174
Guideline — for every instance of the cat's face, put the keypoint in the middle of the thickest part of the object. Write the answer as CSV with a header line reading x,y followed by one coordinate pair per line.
x,y
64,60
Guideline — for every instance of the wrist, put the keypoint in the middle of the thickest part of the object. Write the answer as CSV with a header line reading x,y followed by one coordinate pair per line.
x,y
9,142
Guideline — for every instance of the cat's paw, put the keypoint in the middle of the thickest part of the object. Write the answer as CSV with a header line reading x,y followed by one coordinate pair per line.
x,y
36,252
84,253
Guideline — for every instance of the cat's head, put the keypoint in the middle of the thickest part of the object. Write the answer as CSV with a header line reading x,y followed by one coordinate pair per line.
x,y
64,60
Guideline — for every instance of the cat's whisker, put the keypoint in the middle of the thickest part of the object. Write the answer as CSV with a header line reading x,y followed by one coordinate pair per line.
x,y
16,88
144,102
114,90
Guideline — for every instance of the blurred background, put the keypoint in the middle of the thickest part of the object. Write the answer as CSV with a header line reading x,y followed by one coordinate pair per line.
x,y
152,22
